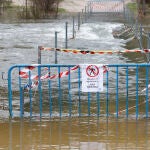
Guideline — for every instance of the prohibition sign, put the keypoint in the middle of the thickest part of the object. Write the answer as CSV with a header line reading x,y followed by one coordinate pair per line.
x,y
92,71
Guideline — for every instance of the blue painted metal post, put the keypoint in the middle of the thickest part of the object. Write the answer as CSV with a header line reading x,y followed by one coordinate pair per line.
x,y
59,94
89,104
40,90
79,94
117,91
98,104
69,94
127,91
147,93
107,96
10,92
137,95
21,103
56,46
30,93
21,97
50,94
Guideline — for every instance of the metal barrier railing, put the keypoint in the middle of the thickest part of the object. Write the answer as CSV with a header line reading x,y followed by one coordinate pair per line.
x,y
106,6
55,91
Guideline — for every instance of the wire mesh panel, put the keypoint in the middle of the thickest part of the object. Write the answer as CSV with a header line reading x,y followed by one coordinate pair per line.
x,y
55,91
106,6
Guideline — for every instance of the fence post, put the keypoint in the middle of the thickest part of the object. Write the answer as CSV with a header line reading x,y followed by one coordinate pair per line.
x,y
124,9
21,101
82,15
141,35
148,46
66,39
79,21
56,46
73,27
85,13
39,54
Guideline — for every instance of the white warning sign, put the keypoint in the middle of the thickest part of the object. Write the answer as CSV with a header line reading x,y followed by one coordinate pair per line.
x,y
92,77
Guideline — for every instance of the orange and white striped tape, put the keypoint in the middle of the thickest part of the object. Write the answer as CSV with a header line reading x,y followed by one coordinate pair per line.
x,y
76,51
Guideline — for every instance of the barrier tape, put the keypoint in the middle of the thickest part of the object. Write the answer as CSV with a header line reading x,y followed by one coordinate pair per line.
x,y
75,51
32,84
24,73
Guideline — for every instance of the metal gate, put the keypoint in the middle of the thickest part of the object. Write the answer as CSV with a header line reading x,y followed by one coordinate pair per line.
x,y
55,91
106,6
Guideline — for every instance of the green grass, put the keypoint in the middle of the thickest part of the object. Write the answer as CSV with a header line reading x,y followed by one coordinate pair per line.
x,y
132,7
61,10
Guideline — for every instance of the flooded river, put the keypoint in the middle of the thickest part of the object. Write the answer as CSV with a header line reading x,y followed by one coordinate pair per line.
x,y
18,45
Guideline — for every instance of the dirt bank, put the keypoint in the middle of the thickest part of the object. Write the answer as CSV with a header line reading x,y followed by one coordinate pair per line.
x,y
73,5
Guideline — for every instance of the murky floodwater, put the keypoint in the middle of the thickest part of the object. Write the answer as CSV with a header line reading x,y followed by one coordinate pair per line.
x,y
18,45
74,134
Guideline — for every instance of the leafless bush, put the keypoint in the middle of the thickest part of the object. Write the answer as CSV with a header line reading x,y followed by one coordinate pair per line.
x,y
43,8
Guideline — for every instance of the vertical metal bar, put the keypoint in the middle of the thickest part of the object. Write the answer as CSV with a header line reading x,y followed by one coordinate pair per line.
x,y
117,91
107,94
30,93
50,94
21,102
141,35
40,90
39,54
56,41
79,21
147,93
137,88
21,97
79,94
59,94
89,104
73,27
85,13
127,92
82,16
148,46
98,104
10,92
69,93
66,39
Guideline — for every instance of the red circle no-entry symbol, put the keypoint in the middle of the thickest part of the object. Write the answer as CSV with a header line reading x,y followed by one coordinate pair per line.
x,y
92,71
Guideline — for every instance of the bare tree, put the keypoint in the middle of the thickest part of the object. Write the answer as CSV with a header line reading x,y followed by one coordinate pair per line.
x,y
44,8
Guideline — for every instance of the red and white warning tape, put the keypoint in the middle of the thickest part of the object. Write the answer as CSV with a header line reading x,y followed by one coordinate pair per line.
x,y
24,73
76,51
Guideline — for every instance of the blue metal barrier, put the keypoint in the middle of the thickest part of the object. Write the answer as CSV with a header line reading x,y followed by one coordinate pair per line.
x,y
125,92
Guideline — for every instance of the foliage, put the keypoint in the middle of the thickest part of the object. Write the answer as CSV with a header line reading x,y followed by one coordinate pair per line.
x,y
132,7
